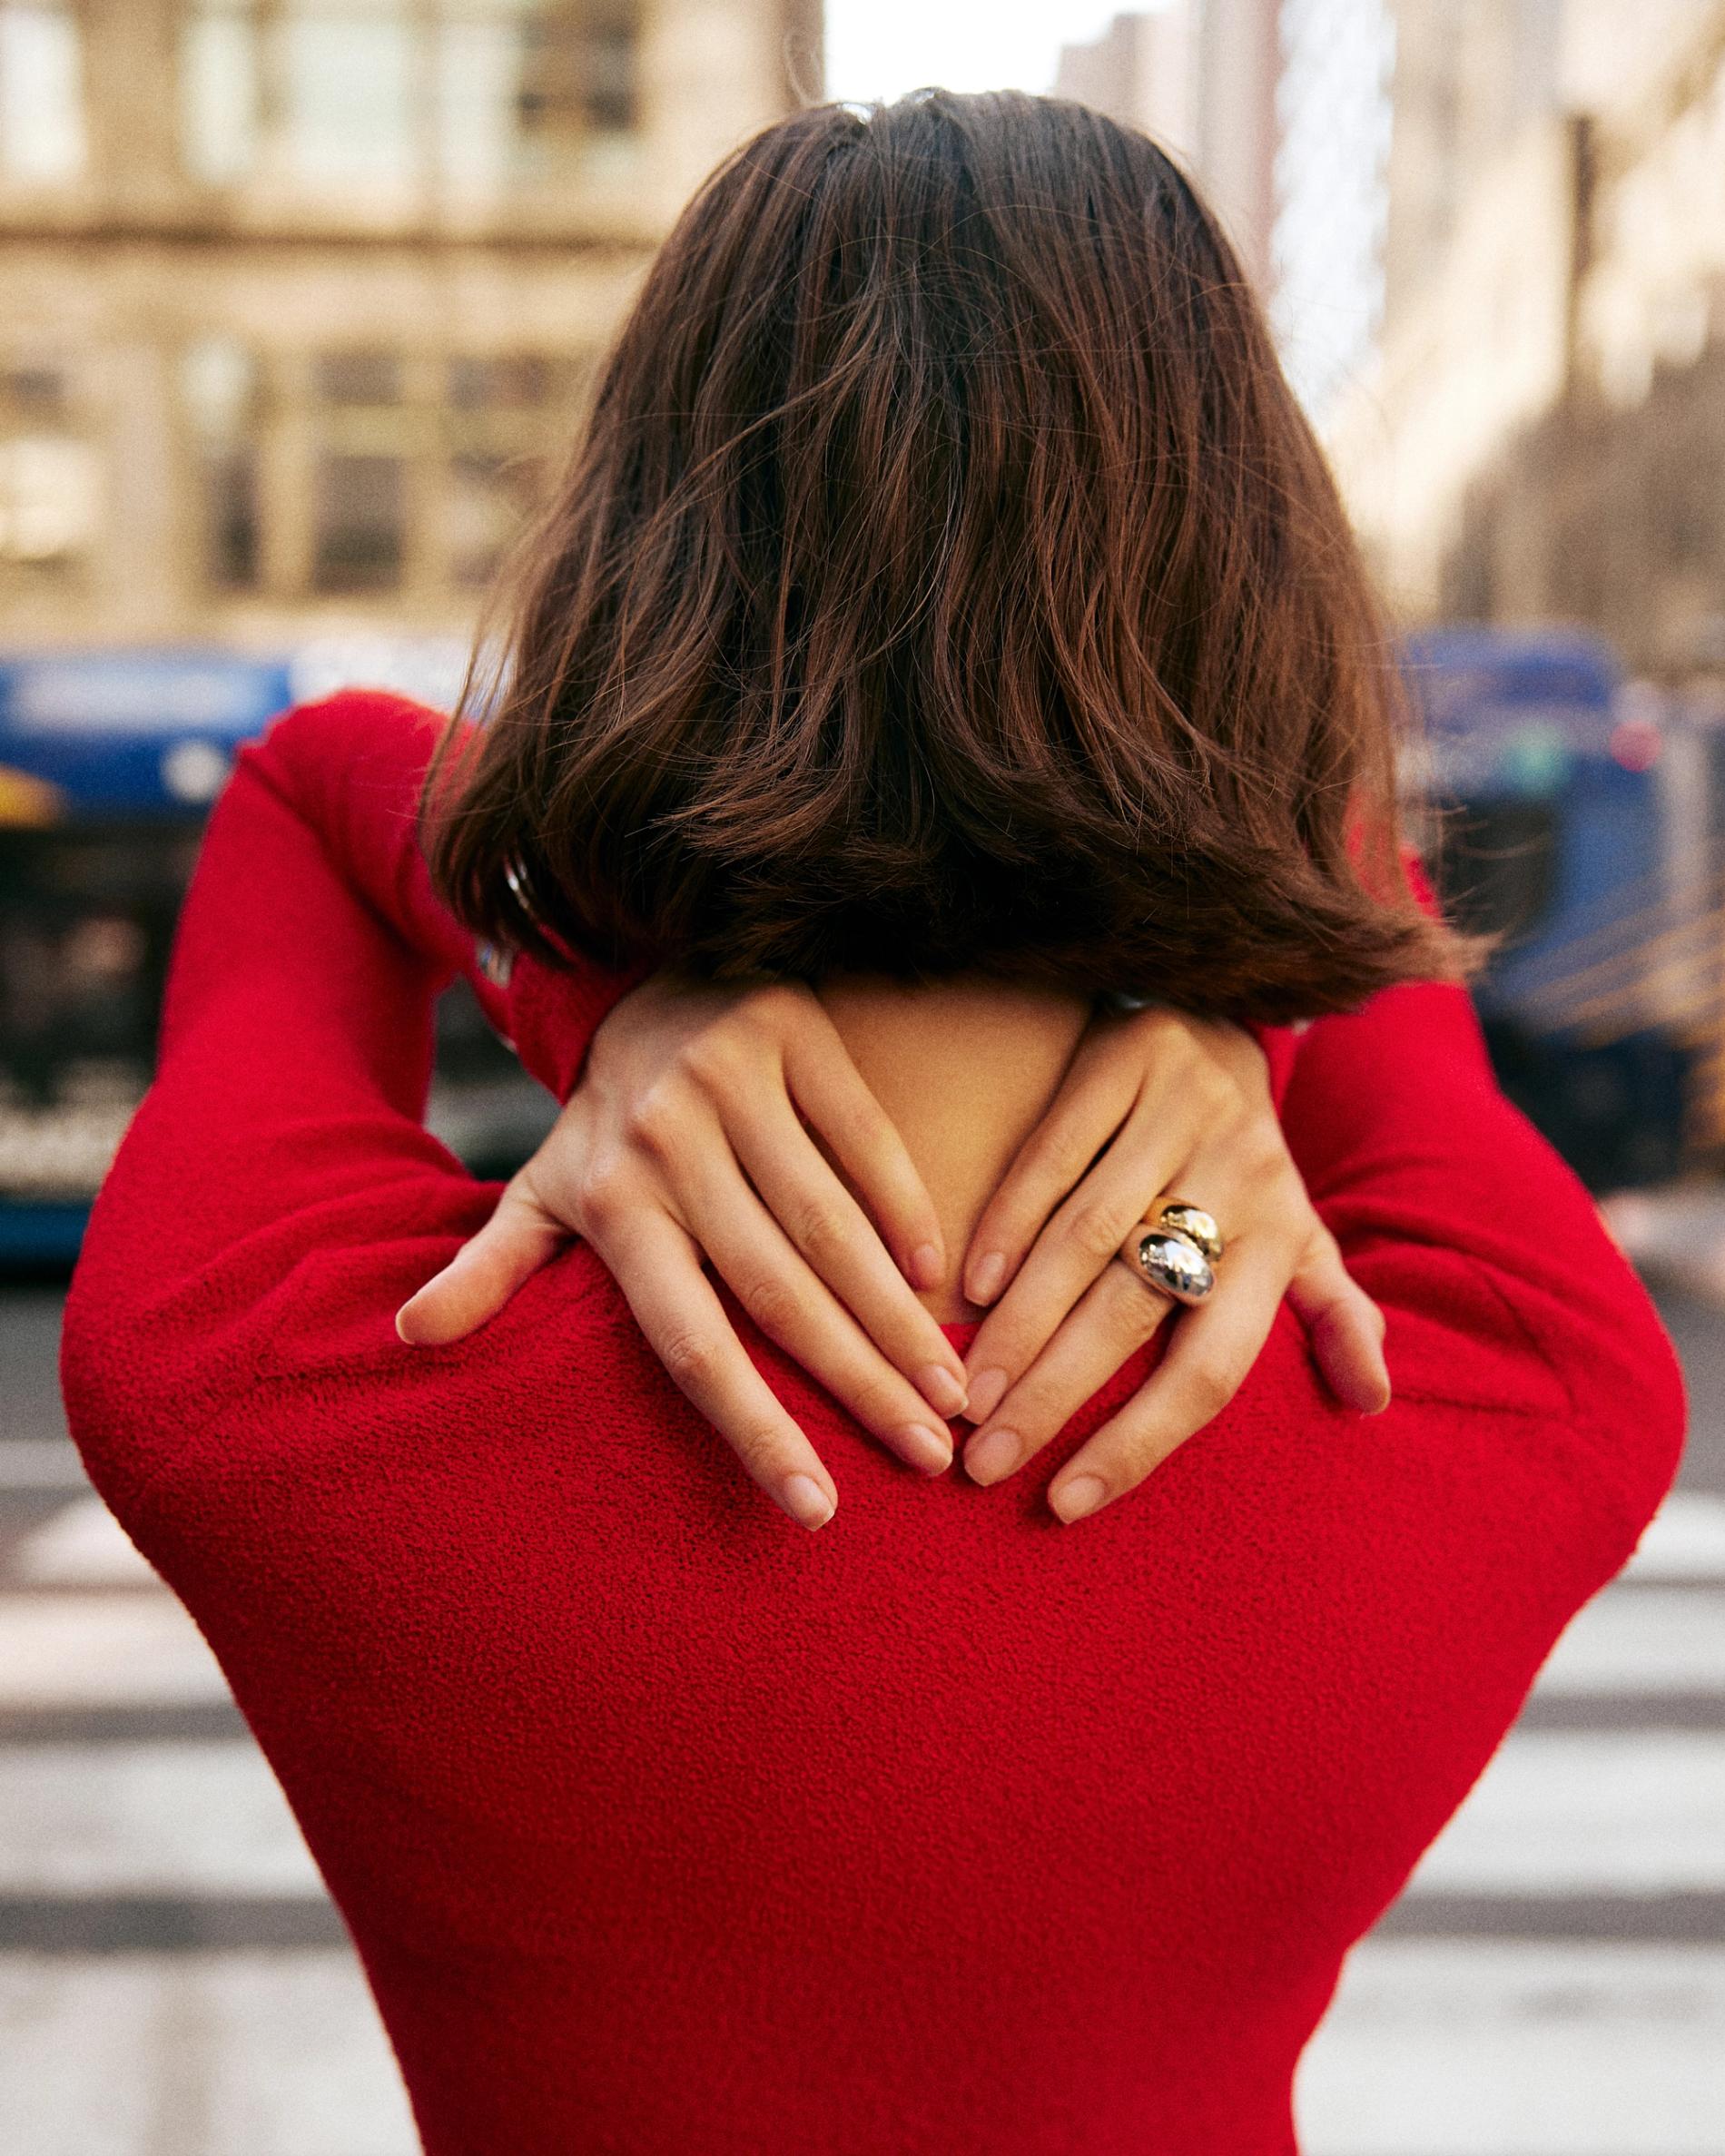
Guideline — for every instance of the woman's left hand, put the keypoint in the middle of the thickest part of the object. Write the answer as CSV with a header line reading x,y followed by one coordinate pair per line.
x,y
1155,1105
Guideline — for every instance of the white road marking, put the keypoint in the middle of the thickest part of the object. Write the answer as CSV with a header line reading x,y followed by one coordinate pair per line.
x,y
83,1545
1648,1639
209,2054
188,1818
1638,1813
102,1650
1494,2048
1684,1540
1595,1812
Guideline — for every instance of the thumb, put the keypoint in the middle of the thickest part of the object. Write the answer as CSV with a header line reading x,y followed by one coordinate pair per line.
x,y
518,1239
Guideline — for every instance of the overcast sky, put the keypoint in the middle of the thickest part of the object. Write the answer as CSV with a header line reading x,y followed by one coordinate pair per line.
x,y
880,48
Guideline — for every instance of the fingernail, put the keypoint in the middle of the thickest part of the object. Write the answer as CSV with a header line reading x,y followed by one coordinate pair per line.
x,y
987,1277
804,1500
943,1392
924,1449
1078,1499
992,1455
988,1389
1383,1398
926,1268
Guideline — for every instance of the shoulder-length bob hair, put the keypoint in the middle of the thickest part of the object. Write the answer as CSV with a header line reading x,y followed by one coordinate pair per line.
x,y
947,579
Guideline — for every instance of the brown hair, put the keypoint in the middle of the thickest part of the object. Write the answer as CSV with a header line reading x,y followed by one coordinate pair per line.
x,y
947,579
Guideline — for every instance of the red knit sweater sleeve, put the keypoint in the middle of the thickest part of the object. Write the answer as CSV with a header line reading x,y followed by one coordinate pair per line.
x,y
353,767
285,1125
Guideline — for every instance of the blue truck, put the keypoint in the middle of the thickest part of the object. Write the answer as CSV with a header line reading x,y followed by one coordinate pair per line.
x,y
1554,801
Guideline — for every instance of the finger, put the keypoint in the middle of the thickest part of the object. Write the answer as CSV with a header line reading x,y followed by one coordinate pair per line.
x,y
518,1239
1209,1354
1075,1248
834,1234
659,1269
775,1285
1116,1315
1095,1099
828,1089
1344,1324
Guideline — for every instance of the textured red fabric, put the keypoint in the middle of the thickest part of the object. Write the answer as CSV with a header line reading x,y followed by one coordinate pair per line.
x,y
662,1826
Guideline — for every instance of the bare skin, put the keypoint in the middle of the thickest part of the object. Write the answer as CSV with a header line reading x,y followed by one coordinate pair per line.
x,y
726,1133
965,1071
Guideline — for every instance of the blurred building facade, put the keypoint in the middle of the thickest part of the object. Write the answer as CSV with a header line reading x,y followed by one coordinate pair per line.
x,y
298,297
1200,76
1281,110
1542,433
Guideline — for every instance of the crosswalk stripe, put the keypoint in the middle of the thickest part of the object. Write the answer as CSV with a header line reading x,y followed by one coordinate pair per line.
x,y
1645,1639
91,1651
1556,1813
83,1545
218,2054
1684,1540
1450,2048
70,1649
1564,1812
197,1818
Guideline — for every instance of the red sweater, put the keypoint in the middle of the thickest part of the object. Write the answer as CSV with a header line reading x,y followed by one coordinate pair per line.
x,y
662,1826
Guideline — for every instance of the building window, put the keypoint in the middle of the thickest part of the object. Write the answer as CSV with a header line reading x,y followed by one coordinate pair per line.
x,y
577,73
360,524
333,93
359,486
506,420
219,94
41,131
220,389
346,87
50,475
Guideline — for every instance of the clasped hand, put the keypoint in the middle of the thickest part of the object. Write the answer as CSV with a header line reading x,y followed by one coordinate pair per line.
x,y
691,1142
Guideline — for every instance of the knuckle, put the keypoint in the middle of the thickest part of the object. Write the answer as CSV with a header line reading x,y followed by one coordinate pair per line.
x,y
819,1229
601,1201
761,1449
1056,1157
770,1012
1096,1229
713,1059
1209,1386
691,1357
772,1302
1134,1308
1265,1152
650,1122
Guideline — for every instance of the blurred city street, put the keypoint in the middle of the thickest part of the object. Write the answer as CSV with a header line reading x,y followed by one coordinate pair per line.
x,y
173,1982
306,302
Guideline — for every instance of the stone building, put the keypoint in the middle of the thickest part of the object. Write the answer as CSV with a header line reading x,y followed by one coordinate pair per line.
x,y
1200,76
296,297
1542,434
1281,110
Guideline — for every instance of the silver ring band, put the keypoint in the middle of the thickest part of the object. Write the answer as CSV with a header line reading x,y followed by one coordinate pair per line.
x,y
1174,1264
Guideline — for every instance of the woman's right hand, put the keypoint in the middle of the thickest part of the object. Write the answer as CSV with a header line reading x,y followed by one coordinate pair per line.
x,y
691,1136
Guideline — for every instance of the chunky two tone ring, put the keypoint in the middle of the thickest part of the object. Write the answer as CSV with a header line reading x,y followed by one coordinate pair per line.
x,y
1178,1252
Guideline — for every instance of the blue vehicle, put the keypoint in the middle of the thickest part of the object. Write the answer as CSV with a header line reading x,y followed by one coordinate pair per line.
x,y
1558,798
1554,798
109,762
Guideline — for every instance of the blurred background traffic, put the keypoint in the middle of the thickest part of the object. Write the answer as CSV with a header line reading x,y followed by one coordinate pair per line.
x,y
299,303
